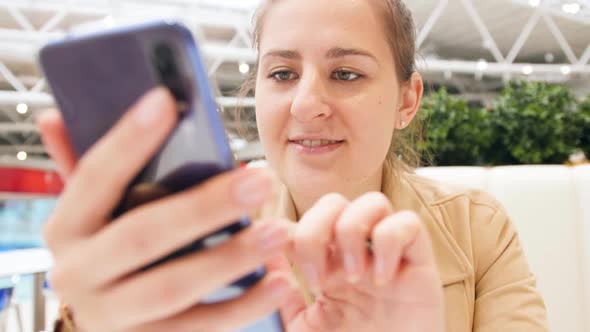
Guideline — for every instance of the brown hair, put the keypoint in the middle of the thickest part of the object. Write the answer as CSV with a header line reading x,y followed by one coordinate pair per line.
x,y
401,35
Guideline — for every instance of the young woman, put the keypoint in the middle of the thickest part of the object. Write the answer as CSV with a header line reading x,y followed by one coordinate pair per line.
x,y
354,240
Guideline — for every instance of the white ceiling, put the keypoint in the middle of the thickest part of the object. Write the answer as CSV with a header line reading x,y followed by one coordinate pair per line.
x,y
456,36
466,32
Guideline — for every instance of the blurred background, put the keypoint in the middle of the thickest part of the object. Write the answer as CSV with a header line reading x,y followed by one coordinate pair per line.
x,y
507,110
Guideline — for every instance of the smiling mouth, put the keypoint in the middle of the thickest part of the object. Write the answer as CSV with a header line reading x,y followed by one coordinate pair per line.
x,y
316,143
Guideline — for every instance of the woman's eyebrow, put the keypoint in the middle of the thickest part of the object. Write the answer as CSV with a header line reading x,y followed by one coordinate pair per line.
x,y
287,54
339,52
335,52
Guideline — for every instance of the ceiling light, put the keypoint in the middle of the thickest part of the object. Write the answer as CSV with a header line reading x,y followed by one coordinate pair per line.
x,y
534,3
22,156
244,68
571,8
22,108
566,70
527,70
238,144
482,65
549,57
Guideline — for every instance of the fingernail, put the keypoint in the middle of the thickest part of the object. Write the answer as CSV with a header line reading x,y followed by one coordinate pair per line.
x,y
351,266
150,108
380,277
271,236
311,274
253,189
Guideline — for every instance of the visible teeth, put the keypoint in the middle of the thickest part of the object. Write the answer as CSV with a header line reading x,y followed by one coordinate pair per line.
x,y
314,143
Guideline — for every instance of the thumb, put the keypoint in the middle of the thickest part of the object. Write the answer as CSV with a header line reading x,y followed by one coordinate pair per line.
x,y
294,303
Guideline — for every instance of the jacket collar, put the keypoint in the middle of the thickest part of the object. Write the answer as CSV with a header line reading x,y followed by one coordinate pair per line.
x,y
452,263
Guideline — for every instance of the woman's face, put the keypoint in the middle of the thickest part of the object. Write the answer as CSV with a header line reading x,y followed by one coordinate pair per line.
x,y
327,94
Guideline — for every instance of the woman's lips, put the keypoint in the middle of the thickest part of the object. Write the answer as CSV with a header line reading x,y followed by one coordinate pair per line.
x,y
316,146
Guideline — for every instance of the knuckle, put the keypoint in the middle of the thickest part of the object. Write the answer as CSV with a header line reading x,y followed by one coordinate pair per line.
x,y
169,292
300,236
387,235
137,243
399,227
244,249
410,220
200,205
375,201
333,199
376,198
204,202
305,237
309,237
350,227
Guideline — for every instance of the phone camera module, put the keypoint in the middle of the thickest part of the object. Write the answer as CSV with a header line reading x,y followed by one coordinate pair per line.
x,y
166,65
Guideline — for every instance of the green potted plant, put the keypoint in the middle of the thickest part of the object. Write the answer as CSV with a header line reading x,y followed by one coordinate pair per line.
x,y
531,124
454,133
583,121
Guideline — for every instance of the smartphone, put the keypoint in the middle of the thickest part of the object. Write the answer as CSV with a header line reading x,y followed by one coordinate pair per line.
x,y
96,77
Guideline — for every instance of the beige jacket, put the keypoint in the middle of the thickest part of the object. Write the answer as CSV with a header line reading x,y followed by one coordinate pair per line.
x,y
488,286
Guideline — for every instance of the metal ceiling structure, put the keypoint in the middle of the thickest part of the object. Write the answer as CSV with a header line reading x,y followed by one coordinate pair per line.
x,y
473,45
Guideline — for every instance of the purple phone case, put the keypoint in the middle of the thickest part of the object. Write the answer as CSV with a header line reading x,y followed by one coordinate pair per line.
x,y
96,78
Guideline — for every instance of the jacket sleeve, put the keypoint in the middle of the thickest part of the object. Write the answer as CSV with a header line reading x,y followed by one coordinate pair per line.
x,y
506,297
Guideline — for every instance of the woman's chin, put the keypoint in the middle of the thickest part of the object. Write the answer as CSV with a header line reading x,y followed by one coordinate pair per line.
x,y
312,179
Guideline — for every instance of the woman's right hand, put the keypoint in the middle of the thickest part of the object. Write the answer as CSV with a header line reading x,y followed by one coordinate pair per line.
x,y
95,258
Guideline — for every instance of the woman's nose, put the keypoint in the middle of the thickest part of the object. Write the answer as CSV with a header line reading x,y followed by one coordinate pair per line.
x,y
309,102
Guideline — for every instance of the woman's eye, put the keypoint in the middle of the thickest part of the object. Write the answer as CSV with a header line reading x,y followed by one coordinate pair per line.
x,y
344,75
283,75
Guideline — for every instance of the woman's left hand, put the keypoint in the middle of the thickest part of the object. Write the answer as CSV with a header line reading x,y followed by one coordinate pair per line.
x,y
370,269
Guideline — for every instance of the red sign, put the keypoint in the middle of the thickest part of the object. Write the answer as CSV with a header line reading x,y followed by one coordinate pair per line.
x,y
30,181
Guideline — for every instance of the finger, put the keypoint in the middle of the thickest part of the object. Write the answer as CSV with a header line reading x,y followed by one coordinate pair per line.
x,y
279,263
57,142
354,228
399,237
313,236
294,305
103,173
150,232
295,300
181,283
260,301
288,256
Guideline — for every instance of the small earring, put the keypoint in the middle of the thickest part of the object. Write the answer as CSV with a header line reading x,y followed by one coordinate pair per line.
x,y
403,124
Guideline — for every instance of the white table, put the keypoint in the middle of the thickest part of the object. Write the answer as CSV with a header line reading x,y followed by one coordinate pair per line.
x,y
30,261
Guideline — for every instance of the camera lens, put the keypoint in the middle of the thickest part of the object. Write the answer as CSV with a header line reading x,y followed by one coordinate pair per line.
x,y
164,61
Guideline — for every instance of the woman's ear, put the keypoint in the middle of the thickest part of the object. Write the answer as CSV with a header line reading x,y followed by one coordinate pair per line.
x,y
411,97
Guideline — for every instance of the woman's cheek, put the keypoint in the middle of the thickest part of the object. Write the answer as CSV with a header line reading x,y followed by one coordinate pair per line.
x,y
270,128
375,131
